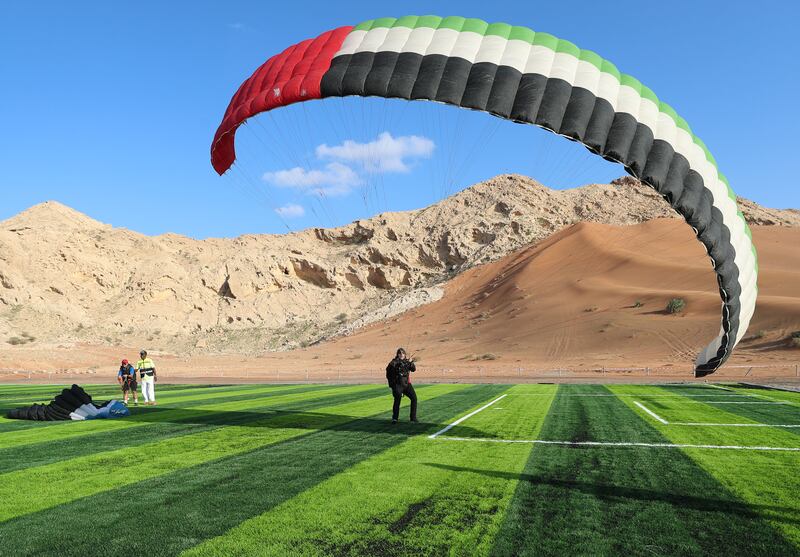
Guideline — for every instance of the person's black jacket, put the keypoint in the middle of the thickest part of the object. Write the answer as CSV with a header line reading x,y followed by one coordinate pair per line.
x,y
397,372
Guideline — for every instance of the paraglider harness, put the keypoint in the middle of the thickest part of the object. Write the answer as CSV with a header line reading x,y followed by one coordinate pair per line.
x,y
147,372
398,372
128,374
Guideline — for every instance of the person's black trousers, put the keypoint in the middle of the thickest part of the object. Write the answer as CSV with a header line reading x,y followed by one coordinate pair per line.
x,y
398,393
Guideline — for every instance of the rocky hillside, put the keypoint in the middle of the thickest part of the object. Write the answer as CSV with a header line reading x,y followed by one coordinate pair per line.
x,y
65,278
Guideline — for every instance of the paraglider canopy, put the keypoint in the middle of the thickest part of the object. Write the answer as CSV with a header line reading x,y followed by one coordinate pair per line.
x,y
527,77
71,404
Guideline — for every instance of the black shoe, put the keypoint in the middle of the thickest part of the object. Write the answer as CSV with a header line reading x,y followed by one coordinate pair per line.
x,y
394,420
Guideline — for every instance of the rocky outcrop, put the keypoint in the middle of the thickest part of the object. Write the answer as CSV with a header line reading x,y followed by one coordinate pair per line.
x,y
66,278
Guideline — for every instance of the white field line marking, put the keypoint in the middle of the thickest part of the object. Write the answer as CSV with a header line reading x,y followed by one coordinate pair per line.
x,y
458,421
705,424
641,395
739,402
653,414
721,387
754,395
622,444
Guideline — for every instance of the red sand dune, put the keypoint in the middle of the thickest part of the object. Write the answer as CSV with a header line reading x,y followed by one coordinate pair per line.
x,y
571,301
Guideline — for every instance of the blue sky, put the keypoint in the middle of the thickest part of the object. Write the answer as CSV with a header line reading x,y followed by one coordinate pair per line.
x,y
110,107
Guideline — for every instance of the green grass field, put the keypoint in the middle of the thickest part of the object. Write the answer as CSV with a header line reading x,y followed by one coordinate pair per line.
x,y
319,470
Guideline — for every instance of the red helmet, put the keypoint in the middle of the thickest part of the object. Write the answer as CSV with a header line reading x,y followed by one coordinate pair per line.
x,y
124,362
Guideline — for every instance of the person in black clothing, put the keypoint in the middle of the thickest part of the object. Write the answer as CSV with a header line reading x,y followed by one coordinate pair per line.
x,y
398,375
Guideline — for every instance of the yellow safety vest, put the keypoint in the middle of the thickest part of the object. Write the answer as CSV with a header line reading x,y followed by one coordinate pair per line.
x,y
146,367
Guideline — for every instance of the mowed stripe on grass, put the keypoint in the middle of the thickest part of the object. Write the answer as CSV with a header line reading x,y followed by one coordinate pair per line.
x,y
791,397
325,473
611,501
168,398
185,411
729,407
45,393
189,505
34,489
767,481
418,498
164,424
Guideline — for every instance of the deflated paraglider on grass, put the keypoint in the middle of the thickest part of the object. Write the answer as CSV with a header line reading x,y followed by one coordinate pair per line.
x,y
71,404
527,77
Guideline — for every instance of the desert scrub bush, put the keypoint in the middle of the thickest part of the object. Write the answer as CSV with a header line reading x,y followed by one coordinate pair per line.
x,y
676,305
638,304
24,338
590,310
341,318
482,316
795,342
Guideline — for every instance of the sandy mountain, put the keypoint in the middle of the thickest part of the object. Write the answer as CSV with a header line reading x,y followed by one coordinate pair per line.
x,y
66,278
590,295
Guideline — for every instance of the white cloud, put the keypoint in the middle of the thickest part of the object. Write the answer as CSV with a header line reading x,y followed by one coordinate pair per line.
x,y
236,26
385,154
335,179
291,211
351,160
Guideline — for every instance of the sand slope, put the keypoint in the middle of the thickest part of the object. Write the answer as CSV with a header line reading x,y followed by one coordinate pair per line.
x,y
595,295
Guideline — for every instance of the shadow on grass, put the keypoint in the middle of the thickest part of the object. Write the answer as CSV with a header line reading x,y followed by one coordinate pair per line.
x,y
786,515
187,506
283,419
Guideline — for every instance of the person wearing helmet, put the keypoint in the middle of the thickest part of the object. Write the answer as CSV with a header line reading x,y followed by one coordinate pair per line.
x,y
126,377
398,375
147,373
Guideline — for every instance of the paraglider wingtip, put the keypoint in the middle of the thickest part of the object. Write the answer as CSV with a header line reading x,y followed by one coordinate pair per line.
x,y
699,372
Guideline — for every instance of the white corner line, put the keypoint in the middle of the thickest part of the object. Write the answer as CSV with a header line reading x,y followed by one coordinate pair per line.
x,y
708,424
623,444
633,395
752,395
458,421
742,402
712,424
722,387
652,414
